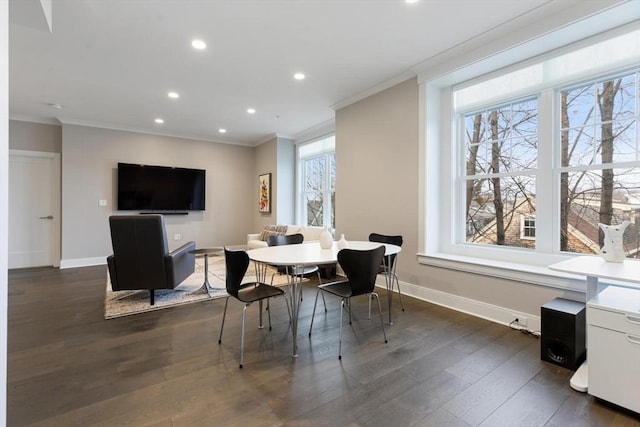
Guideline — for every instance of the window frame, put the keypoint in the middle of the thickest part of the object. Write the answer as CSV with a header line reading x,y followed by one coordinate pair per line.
x,y
301,159
440,162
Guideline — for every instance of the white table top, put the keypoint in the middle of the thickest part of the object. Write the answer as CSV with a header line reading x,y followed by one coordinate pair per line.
x,y
594,266
311,253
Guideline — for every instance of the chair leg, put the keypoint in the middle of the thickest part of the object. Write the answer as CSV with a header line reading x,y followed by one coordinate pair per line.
x,y
260,326
320,283
244,315
269,313
152,296
380,313
313,314
224,314
370,306
340,339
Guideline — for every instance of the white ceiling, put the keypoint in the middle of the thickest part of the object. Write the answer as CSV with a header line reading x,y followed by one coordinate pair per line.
x,y
110,63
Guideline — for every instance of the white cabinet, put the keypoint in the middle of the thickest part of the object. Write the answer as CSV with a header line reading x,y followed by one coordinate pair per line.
x,y
613,331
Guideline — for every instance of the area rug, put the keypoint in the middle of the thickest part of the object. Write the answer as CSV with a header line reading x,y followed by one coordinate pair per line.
x,y
125,303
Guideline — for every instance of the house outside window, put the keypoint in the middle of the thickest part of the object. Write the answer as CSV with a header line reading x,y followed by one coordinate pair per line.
x,y
541,152
317,172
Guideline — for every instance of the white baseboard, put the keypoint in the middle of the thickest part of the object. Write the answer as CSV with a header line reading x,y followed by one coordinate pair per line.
x,y
82,262
493,313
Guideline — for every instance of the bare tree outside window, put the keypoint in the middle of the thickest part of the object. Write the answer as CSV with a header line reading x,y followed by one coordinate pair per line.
x,y
599,152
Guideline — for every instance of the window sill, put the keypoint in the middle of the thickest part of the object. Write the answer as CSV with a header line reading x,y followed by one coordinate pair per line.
x,y
519,272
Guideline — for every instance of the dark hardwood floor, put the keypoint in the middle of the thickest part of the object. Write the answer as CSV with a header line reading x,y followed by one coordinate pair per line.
x,y
70,367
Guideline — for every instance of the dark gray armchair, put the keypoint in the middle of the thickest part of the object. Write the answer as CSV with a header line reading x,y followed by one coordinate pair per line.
x,y
141,258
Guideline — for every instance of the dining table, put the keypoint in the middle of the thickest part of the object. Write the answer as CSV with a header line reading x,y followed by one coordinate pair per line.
x,y
309,254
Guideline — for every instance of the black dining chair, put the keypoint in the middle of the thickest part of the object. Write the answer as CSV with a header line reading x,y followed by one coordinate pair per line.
x,y
389,269
361,268
292,271
237,263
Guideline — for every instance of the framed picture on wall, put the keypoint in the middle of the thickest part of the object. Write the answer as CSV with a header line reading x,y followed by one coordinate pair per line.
x,y
264,204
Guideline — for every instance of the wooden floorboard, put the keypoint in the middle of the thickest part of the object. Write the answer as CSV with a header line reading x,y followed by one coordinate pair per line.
x,y
68,366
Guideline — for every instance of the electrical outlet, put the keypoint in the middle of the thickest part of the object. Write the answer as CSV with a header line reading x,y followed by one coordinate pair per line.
x,y
521,321
177,237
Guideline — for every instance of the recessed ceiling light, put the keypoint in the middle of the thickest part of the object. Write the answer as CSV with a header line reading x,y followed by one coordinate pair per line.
x,y
159,121
411,1
251,110
299,76
173,95
221,130
198,44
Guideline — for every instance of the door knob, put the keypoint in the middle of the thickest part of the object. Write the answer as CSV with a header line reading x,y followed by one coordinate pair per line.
x,y
47,217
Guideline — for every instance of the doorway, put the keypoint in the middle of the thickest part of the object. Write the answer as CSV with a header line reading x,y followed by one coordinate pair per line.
x,y
34,209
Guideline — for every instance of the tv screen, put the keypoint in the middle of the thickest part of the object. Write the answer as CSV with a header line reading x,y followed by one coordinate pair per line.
x,y
160,188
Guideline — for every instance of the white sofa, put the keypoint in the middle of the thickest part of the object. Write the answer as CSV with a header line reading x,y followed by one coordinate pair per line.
x,y
310,234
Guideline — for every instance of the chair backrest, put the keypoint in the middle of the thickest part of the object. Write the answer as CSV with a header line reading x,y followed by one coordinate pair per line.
x,y
361,268
139,247
382,238
236,263
287,239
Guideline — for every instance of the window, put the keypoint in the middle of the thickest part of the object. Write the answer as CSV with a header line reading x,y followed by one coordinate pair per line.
x,y
317,170
501,156
599,156
598,172
521,164
527,227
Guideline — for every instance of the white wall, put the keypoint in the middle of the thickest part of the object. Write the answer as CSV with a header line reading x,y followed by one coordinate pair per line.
x,y
89,173
4,199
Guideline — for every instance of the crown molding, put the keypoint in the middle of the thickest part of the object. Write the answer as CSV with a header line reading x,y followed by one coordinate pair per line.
x,y
374,90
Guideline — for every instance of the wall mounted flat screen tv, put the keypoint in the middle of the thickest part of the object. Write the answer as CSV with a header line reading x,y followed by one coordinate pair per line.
x,y
160,188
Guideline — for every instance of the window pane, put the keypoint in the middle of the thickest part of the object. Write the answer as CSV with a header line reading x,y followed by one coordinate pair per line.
x,y
314,174
495,208
599,122
591,200
502,139
333,209
332,171
314,203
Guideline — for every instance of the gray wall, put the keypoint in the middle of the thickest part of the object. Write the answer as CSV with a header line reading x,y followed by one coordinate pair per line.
x,y
89,162
377,191
266,160
35,136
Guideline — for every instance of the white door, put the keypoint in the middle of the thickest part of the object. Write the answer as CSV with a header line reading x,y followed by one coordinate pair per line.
x,y
34,182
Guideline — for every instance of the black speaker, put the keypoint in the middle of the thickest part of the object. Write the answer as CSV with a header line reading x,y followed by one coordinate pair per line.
x,y
562,339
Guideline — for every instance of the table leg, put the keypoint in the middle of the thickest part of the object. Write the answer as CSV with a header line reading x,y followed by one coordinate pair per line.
x,y
580,379
205,286
389,280
295,290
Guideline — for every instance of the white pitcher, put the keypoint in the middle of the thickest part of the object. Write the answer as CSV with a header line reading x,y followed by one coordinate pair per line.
x,y
613,249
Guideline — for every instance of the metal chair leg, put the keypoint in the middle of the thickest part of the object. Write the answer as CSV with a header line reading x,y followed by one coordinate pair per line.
x,y
244,315
269,313
224,315
380,313
320,283
340,340
313,314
